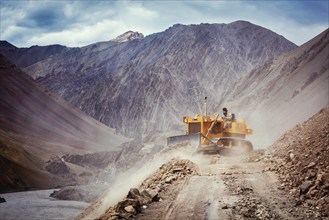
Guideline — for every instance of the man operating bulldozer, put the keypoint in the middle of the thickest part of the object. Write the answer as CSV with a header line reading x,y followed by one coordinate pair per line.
x,y
227,117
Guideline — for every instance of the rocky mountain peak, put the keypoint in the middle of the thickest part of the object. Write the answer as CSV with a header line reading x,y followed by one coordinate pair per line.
x,y
128,36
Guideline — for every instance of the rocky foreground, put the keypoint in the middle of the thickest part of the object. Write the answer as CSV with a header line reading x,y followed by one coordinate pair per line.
x,y
151,190
300,158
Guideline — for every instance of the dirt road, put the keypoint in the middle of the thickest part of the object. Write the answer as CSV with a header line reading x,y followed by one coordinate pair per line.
x,y
224,188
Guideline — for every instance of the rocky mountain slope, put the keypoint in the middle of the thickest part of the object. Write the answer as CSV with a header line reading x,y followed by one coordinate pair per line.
x,y
300,158
148,84
37,129
285,91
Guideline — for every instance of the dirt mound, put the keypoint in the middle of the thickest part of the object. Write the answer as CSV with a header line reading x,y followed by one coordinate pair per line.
x,y
57,166
300,158
169,172
151,189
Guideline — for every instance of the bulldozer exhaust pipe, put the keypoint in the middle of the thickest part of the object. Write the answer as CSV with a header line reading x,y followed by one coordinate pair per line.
x,y
205,105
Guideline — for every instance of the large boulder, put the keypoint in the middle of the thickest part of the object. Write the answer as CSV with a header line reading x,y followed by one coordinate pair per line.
x,y
2,200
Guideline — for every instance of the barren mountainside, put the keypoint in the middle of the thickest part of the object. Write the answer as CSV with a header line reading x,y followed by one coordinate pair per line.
x,y
148,84
36,127
285,91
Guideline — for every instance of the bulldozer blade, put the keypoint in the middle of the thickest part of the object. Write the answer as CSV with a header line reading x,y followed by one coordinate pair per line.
x,y
182,138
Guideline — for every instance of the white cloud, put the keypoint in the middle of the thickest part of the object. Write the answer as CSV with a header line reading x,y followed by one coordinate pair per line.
x,y
137,11
300,34
290,29
84,22
84,34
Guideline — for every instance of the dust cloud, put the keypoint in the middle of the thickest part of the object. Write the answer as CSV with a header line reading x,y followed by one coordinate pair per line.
x,y
263,132
235,157
134,176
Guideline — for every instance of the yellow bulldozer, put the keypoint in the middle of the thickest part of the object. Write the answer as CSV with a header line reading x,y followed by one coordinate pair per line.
x,y
215,135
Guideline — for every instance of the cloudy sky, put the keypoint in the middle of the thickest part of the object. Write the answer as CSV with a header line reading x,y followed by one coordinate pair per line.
x,y
78,23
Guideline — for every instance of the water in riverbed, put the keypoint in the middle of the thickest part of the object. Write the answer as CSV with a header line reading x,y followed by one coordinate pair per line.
x,y
38,205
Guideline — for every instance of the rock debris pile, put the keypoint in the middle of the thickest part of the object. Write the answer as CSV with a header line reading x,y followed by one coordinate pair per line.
x,y
300,158
248,205
254,208
151,189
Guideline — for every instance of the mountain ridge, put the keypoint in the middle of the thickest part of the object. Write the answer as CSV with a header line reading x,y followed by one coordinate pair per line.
x,y
178,66
24,57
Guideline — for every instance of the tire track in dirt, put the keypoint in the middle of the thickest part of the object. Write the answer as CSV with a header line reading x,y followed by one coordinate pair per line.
x,y
192,201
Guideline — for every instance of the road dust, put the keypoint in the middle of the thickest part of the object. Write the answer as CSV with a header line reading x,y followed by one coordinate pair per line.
x,y
264,133
134,176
